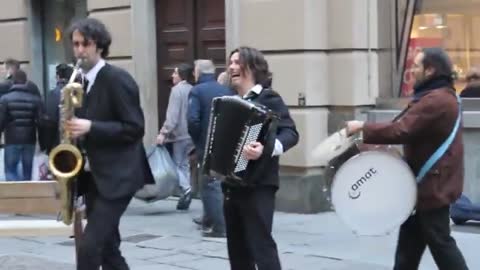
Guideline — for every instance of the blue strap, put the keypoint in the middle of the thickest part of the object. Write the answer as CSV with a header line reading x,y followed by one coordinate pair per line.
x,y
443,148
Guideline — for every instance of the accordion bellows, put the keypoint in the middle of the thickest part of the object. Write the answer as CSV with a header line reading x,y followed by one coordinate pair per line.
x,y
234,123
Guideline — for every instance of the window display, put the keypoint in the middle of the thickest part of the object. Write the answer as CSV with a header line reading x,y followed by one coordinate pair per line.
x,y
448,24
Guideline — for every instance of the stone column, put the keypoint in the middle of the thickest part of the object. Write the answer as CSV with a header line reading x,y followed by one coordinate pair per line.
x,y
14,30
145,62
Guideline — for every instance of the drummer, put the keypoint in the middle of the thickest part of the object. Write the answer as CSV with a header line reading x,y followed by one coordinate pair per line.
x,y
421,128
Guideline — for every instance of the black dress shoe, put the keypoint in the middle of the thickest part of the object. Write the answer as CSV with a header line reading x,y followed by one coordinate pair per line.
x,y
185,200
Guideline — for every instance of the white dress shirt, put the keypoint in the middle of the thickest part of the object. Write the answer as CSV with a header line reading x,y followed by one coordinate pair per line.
x,y
91,75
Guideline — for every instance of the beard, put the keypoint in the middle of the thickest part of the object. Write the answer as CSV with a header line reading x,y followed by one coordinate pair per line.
x,y
419,80
86,65
417,84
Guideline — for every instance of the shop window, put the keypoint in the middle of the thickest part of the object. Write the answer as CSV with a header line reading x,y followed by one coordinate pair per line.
x,y
448,24
51,46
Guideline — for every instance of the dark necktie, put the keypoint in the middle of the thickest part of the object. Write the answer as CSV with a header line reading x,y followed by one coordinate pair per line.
x,y
85,85
82,112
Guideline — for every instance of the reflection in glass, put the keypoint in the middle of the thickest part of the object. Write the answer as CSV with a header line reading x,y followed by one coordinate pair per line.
x,y
447,24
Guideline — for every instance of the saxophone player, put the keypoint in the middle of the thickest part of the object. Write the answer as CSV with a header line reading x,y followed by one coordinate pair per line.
x,y
111,125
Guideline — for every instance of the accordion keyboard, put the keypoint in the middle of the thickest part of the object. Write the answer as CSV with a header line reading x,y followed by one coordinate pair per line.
x,y
250,134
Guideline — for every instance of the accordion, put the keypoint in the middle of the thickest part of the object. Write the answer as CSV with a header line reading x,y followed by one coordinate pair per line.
x,y
234,123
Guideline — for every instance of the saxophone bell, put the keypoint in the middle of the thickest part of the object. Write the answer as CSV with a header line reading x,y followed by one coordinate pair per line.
x,y
65,160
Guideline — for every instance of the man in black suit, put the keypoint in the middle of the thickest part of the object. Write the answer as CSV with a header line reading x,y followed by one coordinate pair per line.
x,y
249,210
111,123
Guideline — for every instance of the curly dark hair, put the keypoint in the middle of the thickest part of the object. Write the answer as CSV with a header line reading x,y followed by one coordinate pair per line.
x,y
93,30
253,60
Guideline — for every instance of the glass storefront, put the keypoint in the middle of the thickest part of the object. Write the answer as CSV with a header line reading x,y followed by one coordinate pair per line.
x,y
54,18
449,24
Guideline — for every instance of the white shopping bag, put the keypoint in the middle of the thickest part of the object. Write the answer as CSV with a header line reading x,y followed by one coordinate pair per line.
x,y
2,165
165,175
40,166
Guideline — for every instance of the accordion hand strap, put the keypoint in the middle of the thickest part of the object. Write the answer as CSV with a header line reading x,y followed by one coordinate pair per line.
x,y
268,148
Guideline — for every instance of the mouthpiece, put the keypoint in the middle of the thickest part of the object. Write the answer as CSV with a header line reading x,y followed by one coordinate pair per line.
x,y
75,70
79,62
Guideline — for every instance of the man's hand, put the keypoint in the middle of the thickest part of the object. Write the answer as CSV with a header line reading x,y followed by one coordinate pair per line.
x,y
78,127
160,138
354,127
253,151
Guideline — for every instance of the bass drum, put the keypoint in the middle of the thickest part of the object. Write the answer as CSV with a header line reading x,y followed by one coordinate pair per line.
x,y
373,192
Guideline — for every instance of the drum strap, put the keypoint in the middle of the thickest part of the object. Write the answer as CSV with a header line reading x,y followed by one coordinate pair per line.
x,y
443,148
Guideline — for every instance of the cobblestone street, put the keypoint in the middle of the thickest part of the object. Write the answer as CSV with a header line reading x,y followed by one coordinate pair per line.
x,y
156,236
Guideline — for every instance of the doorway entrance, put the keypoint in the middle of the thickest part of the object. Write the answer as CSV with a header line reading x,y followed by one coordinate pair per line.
x,y
187,30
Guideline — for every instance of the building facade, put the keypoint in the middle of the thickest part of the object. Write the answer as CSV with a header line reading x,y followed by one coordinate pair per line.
x,y
332,60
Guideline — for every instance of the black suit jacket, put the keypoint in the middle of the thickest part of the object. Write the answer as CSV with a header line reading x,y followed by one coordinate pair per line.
x,y
114,147
286,133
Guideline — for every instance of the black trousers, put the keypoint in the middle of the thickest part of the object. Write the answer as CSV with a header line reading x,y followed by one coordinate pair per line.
x,y
428,228
249,218
100,243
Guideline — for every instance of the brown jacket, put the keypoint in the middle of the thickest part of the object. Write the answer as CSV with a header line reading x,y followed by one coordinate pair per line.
x,y
423,127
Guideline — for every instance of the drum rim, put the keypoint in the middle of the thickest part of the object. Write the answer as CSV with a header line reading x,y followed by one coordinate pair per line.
x,y
347,144
342,143
385,153
370,152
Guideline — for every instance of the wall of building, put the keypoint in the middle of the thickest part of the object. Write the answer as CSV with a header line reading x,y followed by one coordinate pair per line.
x,y
14,29
133,50
335,53
117,16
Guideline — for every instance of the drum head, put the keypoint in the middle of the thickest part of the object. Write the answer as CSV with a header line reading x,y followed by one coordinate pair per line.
x,y
332,147
374,192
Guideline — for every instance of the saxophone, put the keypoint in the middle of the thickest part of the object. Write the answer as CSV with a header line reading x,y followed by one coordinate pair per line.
x,y
65,160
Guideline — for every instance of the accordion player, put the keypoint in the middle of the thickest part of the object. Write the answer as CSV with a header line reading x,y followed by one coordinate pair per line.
x,y
234,123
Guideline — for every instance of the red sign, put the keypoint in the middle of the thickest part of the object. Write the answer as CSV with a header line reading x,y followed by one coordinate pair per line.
x,y
415,46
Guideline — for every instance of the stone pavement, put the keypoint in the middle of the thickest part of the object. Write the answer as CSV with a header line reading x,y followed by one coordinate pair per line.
x,y
31,262
156,236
